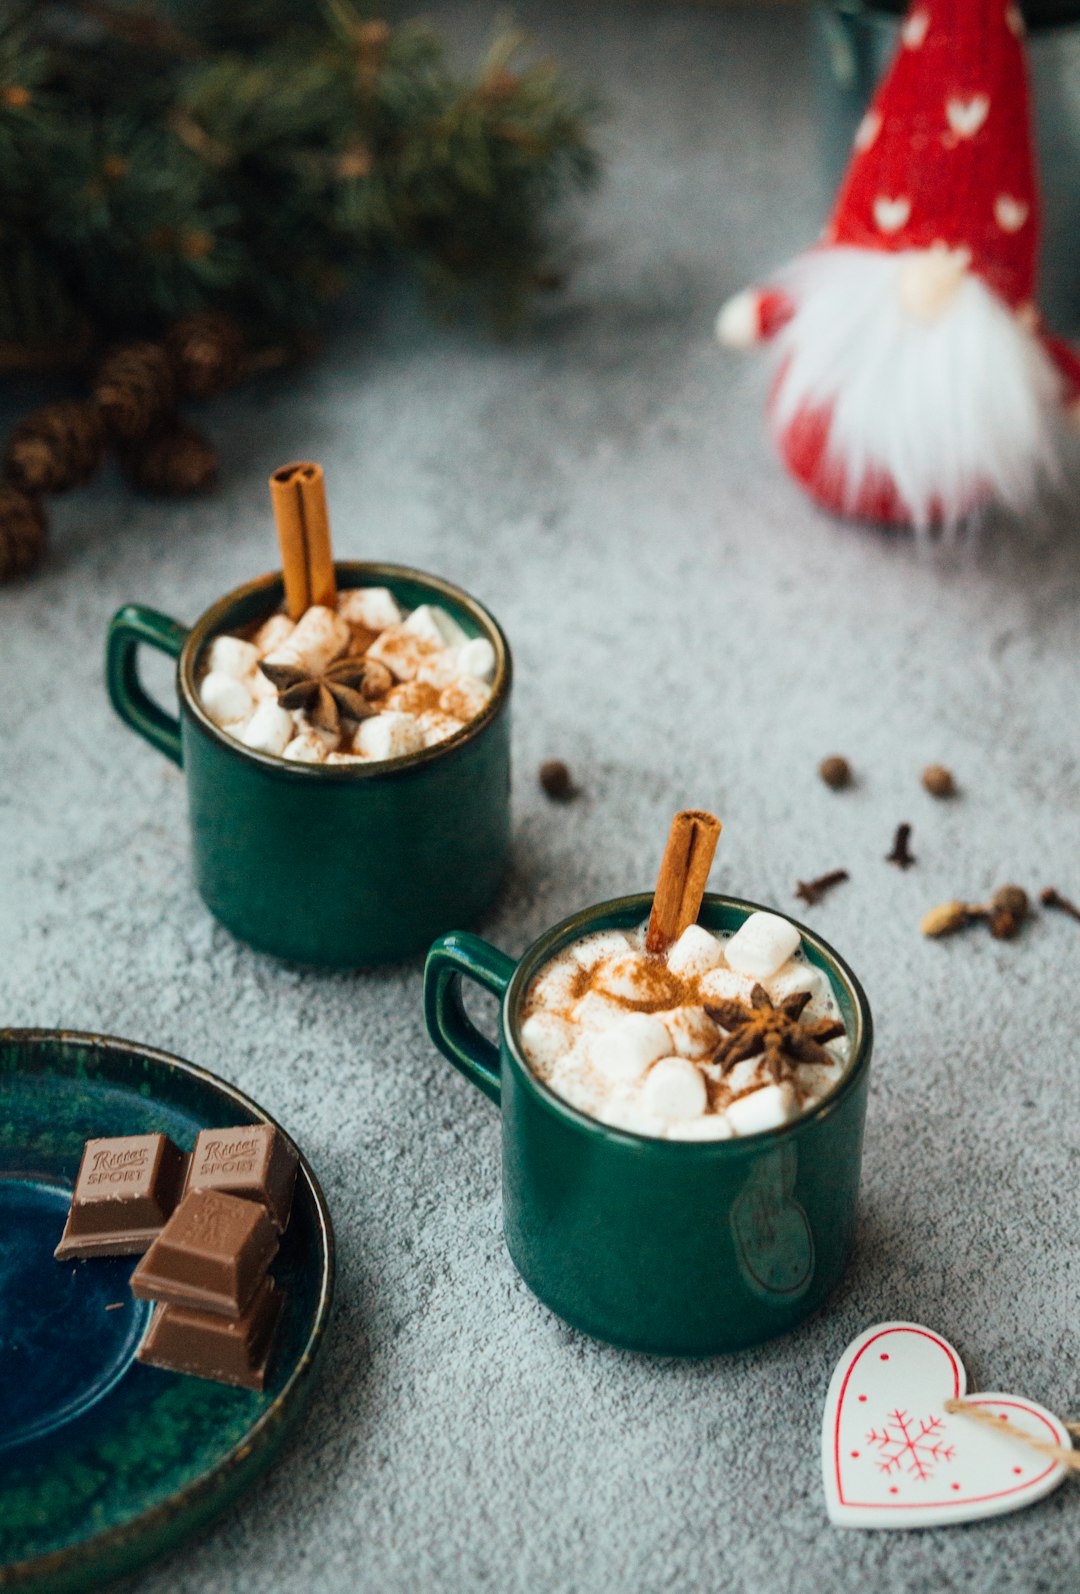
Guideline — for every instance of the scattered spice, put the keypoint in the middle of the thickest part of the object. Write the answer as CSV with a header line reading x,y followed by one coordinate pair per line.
x,y
835,772
556,780
1050,898
948,917
343,688
776,1032
114,1306
901,854
939,781
1009,908
811,891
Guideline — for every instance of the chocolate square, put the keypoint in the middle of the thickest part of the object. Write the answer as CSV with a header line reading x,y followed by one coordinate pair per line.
x,y
126,1190
229,1351
211,1255
252,1160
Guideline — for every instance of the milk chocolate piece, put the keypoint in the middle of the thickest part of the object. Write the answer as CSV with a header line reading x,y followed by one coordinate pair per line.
x,y
253,1160
126,1190
228,1351
211,1255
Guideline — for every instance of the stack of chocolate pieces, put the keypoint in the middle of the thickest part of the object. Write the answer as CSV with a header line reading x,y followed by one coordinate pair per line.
x,y
207,1228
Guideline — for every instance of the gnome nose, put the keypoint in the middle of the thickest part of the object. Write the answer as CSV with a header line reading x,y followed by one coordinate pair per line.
x,y
929,279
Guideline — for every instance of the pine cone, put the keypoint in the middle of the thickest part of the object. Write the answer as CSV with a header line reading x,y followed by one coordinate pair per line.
x,y
172,462
22,532
207,351
135,389
59,446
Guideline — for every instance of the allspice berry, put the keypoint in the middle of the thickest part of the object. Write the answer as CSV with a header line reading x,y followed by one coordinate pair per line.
x,y
1008,910
1010,899
939,781
556,780
835,772
945,919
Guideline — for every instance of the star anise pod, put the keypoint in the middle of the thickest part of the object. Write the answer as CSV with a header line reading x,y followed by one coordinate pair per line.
x,y
346,687
776,1032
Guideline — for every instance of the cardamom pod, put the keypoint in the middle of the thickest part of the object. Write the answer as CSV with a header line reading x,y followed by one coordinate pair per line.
x,y
945,919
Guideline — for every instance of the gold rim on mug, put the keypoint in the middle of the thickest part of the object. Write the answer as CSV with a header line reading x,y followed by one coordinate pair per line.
x,y
212,621
570,929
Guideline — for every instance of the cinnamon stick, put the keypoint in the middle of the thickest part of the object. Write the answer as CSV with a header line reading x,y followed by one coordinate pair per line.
x,y
298,495
684,872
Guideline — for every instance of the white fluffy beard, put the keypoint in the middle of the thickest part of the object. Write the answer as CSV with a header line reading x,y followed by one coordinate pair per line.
x,y
957,411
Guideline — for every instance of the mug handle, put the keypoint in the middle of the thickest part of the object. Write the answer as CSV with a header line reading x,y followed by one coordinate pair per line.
x,y
131,626
450,1027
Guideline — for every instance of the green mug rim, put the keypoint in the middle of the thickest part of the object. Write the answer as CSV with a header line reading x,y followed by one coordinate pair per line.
x,y
214,620
636,908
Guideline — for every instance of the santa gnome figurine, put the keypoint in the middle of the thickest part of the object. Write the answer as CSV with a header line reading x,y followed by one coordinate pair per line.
x,y
915,382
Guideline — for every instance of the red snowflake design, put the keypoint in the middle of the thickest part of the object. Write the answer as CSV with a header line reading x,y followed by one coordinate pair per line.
x,y
904,1446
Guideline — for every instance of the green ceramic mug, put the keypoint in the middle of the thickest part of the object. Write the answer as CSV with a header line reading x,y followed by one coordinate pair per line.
x,y
340,865
675,1247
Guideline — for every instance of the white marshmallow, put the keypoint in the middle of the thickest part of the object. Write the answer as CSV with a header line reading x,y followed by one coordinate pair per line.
x,y
477,657
439,669
269,730
343,758
273,633
464,698
674,1089
306,749
632,976
439,727
388,736
766,1108
800,976
435,625
724,985
231,655
546,1038
693,1033
553,986
320,636
401,651
305,727
373,607
589,951
714,1126
745,1075
225,699
761,945
597,1011
261,687
625,1049
695,952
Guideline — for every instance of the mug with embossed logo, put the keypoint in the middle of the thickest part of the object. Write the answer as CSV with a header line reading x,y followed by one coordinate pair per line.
x,y
677,1247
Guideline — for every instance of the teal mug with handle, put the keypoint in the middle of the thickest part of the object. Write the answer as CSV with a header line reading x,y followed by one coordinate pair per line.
x,y
334,865
682,1248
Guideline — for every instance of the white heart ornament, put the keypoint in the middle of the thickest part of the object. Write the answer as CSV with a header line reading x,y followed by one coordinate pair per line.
x,y
891,214
967,116
892,1457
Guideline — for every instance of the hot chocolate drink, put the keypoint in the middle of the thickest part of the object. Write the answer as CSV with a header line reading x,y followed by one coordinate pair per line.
x,y
719,1036
671,1031
359,682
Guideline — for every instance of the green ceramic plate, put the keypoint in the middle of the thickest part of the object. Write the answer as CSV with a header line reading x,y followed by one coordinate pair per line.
x,y
105,1463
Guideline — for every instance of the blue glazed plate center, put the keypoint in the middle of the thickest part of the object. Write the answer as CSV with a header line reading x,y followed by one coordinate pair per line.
x,y
64,1340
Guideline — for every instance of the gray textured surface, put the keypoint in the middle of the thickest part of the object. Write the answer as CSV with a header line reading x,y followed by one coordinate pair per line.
x,y
686,630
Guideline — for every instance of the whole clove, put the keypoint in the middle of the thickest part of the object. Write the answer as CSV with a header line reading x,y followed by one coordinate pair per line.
x,y
811,891
1051,898
901,854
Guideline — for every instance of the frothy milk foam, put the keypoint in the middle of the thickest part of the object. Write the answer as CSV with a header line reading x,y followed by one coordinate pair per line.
x,y
627,1037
